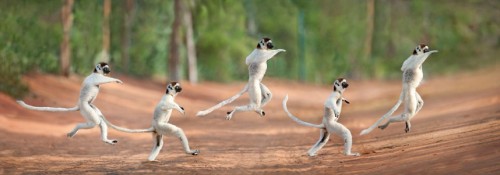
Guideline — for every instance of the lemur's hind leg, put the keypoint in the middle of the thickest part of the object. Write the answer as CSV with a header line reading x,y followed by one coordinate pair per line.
x,y
157,146
103,126
79,126
250,107
179,133
104,133
346,135
185,144
323,138
266,95
255,95
399,118
420,102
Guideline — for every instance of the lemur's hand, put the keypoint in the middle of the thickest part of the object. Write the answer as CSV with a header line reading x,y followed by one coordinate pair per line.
x,y
347,101
182,110
119,81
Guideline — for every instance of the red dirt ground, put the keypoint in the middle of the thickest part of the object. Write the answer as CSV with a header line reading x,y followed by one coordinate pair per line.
x,y
457,131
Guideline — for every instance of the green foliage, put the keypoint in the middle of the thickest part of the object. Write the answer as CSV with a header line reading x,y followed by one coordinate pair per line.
x,y
27,41
465,33
221,39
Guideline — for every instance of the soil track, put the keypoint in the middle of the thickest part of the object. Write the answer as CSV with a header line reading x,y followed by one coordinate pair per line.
x,y
457,131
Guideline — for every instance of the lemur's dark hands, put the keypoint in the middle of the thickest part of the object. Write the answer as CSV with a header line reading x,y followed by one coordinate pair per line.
x,y
182,108
347,102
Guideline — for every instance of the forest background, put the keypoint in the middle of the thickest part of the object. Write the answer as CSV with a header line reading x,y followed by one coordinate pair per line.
x,y
207,40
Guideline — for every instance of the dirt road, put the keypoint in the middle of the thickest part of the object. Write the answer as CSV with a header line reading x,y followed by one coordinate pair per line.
x,y
457,131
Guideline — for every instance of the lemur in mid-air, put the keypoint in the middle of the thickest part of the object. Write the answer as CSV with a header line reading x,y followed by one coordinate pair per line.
x,y
259,94
160,125
88,93
412,76
333,107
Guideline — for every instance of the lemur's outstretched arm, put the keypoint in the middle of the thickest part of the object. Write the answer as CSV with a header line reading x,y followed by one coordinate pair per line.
x,y
178,108
270,53
101,79
420,60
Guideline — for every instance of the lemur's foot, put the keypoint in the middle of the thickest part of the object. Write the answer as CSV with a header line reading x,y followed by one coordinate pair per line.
x,y
111,142
352,154
229,115
407,129
261,113
195,152
382,127
71,134
311,154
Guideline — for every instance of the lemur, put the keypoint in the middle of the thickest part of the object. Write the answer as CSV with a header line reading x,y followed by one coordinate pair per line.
x,y
88,93
333,107
259,94
160,125
412,76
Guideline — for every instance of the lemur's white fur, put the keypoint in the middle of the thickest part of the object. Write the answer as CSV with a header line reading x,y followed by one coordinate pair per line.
x,y
88,93
333,107
160,125
259,94
412,76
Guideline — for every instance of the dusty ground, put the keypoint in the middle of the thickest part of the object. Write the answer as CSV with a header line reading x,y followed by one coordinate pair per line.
x,y
457,131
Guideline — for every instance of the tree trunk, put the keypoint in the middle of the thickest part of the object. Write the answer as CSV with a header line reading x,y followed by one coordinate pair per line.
x,y
191,49
250,14
126,35
67,22
370,18
105,31
175,42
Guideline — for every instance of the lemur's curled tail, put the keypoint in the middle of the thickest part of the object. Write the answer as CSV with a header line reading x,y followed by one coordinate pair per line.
x,y
51,109
388,114
151,129
225,102
321,126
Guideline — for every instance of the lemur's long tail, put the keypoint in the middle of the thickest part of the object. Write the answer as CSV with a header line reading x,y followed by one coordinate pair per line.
x,y
151,129
225,102
51,109
388,114
321,126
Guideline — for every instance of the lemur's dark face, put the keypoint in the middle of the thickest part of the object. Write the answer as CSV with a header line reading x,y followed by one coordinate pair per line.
x,y
173,88
340,84
102,68
421,48
265,43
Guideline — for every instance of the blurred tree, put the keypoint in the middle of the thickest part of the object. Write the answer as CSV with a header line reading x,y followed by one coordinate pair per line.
x,y
104,55
129,13
191,49
67,22
175,42
370,17
224,32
